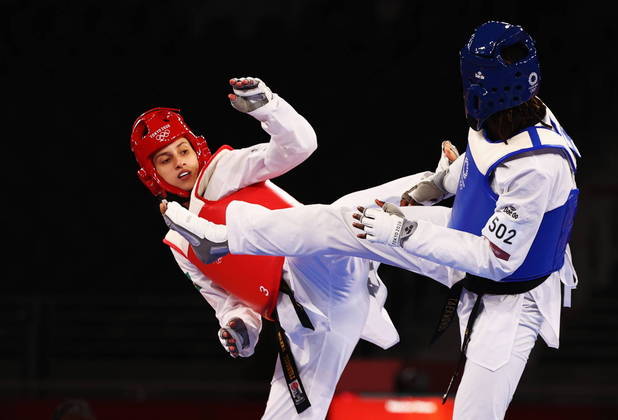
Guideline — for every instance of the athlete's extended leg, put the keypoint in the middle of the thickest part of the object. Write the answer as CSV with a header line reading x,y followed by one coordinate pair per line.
x,y
320,230
327,230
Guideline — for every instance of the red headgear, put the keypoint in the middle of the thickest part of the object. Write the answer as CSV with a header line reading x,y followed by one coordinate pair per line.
x,y
153,130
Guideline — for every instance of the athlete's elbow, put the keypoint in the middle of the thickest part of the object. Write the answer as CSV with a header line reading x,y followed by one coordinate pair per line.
x,y
301,144
308,142
500,269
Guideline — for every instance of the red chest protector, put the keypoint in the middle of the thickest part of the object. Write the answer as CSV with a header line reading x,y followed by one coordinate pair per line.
x,y
254,279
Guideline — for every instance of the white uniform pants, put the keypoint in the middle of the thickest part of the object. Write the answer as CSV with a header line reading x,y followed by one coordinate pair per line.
x,y
337,305
484,394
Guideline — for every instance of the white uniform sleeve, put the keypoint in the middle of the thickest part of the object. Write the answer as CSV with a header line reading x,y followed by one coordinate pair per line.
x,y
225,305
292,141
528,187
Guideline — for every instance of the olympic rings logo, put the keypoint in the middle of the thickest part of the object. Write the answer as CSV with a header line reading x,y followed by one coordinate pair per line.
x,y
162,135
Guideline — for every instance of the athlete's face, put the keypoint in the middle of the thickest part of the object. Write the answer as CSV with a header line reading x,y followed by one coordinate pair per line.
x,y
177,164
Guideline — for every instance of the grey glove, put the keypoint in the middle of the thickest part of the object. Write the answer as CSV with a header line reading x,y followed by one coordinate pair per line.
x,y
427,192
250,93
431,189
235,339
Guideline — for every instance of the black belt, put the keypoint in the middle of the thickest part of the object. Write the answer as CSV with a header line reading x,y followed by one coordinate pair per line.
x,y
485,286
481,286
298,308
288,364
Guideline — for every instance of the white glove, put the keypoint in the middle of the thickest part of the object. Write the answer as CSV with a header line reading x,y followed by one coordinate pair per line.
x,y
250,93
235,338
431,190
209,240
384,226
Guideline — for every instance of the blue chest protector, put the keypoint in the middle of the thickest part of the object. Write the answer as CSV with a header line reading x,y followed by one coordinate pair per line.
x,y
475,201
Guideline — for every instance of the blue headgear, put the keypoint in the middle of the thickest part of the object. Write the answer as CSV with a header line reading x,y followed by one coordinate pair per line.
x,y
490,84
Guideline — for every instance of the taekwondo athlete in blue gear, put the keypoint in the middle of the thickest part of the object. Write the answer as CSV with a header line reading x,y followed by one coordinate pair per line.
x,y
492,84
515,201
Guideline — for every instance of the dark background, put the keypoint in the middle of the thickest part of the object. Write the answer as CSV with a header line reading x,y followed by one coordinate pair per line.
x,y
93,305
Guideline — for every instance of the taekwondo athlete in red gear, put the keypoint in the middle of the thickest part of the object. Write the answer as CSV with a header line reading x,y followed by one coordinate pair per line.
x,y
333,269
332,293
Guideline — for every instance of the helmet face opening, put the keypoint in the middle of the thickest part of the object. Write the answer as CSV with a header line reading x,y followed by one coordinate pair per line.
x,y
499,70
153,130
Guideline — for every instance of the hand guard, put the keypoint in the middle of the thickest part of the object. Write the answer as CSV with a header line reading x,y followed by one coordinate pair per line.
x,y
209,240
249,94
235,338
386,225
427,192
431,189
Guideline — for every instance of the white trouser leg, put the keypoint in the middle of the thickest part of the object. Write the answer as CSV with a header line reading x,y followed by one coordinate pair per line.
x,y
323,230
484,394
320,355
319,376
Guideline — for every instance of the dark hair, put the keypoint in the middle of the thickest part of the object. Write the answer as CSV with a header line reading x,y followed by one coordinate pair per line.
x,y
504,124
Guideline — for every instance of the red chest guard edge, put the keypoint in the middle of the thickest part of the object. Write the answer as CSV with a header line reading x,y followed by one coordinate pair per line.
x,y
254,279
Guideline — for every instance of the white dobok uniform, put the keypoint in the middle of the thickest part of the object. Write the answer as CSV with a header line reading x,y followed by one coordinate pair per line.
x,y
342,296
529,184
